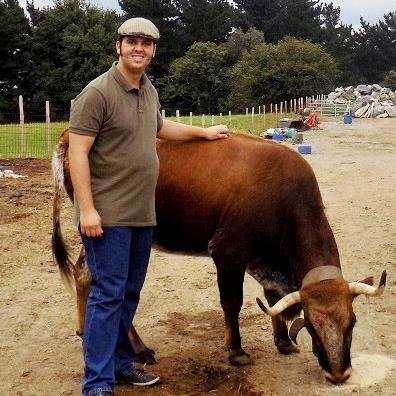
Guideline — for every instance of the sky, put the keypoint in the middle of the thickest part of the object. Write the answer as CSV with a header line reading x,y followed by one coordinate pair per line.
x,y
351,10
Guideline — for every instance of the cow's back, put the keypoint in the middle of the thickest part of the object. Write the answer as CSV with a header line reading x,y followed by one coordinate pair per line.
x,y
235,184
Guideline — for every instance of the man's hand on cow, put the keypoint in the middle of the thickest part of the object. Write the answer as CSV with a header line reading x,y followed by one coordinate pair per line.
x,y
91,223
217,132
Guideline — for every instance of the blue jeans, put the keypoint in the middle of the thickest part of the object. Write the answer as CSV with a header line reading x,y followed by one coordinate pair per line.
x,y
118,264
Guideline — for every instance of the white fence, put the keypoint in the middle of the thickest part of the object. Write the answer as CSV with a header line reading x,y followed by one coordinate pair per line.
x,y
320,106
37,139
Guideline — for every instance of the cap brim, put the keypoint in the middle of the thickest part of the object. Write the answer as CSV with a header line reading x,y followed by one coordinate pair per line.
x,y
138,35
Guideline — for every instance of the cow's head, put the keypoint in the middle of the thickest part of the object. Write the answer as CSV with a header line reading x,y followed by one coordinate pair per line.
x,y
329,319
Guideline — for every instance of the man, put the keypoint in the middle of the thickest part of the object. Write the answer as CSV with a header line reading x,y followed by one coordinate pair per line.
x,y
114,168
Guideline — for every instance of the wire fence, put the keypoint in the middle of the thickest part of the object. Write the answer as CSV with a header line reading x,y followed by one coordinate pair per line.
x,y
35,136
35,139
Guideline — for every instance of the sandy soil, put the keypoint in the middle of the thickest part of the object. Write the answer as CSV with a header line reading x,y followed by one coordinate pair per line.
x,y
180,315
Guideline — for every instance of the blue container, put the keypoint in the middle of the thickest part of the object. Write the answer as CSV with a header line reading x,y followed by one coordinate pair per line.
x,y
305,149
347,119
278,137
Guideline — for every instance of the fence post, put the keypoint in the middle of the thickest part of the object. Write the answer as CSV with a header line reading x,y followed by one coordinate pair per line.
x,y
22,126
252,113
264,116
281,107
230,117
271,108
247,111
212,119
48,123
163,113
190,117
203,121
177,115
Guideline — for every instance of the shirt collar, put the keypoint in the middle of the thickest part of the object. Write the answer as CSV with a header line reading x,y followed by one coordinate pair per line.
x,y
127,86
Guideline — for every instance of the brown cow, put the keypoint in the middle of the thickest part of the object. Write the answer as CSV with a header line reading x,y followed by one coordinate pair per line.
x,y
255,206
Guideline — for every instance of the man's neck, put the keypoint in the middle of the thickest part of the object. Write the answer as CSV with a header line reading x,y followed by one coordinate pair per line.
x,y
132,78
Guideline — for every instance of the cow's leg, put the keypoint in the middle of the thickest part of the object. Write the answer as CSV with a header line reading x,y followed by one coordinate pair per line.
x,y
281,334
230,276
82,279
142,353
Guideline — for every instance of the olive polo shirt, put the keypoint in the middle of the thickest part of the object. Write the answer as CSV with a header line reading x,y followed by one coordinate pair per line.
x,y
123,159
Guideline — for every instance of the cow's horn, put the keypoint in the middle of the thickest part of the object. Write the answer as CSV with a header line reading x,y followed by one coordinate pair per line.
x,y
286,302
295,327
362,288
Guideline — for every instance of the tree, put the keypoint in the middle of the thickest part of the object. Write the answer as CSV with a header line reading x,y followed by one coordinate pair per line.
x,y
274,73
279,18
260,14
390,80
338,40
197,80
206,20
240,41
244,75
375,50
71,45
14,53
300,19
330,16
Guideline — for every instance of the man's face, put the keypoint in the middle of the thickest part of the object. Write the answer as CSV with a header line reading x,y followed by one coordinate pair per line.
x,y
135,53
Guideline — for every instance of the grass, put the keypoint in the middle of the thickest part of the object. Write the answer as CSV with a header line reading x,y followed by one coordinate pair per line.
x,y
39,142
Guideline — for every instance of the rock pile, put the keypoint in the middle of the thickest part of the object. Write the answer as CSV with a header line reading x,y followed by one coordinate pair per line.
x,y
366,100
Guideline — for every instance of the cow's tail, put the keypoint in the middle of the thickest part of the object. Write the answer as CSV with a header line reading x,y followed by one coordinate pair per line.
x,y
60,253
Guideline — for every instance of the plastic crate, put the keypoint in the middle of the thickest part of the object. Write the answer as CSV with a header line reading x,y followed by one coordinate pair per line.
x,y
305,149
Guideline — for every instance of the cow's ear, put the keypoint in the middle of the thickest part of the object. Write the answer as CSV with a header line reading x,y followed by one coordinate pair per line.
x,y
368,281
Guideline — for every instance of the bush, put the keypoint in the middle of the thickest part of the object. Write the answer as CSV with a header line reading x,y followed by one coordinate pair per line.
x,y
390,80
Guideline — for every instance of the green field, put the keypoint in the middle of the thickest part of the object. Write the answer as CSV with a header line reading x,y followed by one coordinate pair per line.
x,y
36,141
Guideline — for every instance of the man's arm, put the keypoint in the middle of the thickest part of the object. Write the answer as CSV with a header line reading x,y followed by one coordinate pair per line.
x,y
172,130
79,147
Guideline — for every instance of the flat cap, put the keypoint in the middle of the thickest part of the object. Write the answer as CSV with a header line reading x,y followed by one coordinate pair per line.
x,y
139,27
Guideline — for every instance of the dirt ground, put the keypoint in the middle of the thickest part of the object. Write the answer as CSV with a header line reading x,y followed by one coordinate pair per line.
x,y
180,315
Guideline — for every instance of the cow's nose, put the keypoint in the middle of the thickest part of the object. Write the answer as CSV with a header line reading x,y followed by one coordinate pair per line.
x,y
338,378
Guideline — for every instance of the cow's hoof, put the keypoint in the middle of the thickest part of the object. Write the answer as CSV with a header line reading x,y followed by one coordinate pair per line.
x,y
286,347
145,357
239,358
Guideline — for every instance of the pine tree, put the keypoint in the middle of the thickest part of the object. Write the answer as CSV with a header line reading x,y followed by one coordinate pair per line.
x,y
14,53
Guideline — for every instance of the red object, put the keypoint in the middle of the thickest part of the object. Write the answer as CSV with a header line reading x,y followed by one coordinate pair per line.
x,y
312,120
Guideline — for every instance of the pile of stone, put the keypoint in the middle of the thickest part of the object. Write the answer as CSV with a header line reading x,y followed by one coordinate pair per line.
x,y
366,101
